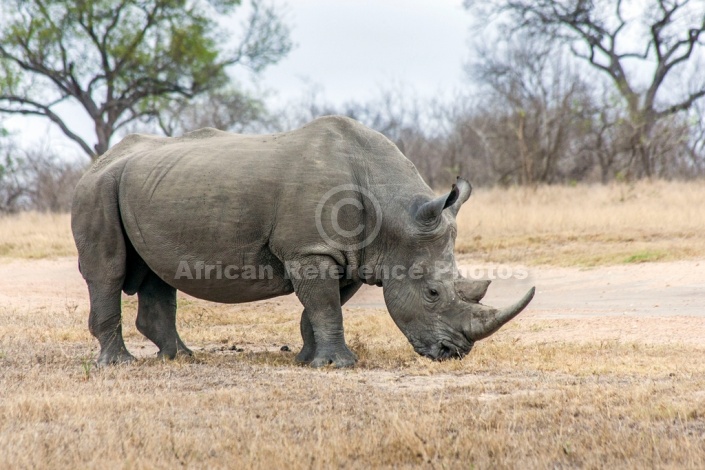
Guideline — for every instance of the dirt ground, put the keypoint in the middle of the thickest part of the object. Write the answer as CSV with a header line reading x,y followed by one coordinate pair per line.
x,y
649,302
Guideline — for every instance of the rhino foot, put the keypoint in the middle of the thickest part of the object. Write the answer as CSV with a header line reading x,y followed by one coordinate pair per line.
x,y
180,351
181,348
108,358
306,355
337,358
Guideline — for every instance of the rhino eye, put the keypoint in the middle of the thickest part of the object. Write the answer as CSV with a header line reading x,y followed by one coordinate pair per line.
x,y
431,295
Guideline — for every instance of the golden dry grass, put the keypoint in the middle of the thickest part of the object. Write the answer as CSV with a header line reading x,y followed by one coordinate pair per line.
x,y
555,225
515,402
585,225
36,235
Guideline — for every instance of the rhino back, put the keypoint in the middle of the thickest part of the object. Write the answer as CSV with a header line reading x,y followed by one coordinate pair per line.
x,y
221,198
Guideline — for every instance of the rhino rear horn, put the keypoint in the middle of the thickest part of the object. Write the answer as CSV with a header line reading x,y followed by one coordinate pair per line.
x,y
471,291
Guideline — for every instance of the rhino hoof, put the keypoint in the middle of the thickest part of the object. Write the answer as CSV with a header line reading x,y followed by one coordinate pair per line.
x,y
305,356
338,359
123,357
171,355
182,349
184,352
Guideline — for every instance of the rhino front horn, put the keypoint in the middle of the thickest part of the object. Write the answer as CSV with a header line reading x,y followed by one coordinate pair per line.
x,y
485,320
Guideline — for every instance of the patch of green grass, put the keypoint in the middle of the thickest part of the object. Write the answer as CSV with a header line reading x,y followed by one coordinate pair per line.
x,y
7,248
87,365
645,256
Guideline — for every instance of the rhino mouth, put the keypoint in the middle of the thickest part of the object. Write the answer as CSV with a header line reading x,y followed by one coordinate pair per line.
x,y
445,350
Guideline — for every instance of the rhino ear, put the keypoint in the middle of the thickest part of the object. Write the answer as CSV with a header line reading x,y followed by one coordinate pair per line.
x,y
464,189
428,215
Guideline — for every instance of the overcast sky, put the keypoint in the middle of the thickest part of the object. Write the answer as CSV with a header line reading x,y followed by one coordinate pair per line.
x,y
350,49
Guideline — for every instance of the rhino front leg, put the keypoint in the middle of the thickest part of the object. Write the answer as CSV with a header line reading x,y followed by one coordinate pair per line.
x,y
305,356
156,316
308,350
322,322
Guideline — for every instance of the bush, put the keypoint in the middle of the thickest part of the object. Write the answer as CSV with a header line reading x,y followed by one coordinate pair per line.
x,y
36,180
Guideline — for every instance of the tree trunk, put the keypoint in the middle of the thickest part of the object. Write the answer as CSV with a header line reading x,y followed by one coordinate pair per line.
x,y
103,133
526,166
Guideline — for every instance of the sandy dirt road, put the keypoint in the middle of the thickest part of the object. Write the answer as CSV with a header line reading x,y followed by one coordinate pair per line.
x,y
653,302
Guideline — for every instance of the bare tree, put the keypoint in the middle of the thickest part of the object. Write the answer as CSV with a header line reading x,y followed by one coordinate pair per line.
x,y
640,47
228,108
422,130
695,144
532,111
36,179
12,186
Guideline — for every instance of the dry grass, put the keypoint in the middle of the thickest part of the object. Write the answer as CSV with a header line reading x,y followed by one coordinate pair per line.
x,y
585,225
36,235
556,225
514,403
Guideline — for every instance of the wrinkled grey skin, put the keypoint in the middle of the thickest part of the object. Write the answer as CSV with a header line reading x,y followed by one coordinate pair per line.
x,y
151,203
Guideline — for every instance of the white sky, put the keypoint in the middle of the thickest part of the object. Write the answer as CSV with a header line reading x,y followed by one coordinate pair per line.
x,y
351,49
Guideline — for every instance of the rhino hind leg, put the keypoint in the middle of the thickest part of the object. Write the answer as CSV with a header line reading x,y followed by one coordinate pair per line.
x,y
105,323
156,316
96,226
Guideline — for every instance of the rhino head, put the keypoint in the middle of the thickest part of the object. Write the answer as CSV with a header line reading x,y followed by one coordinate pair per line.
x,y
437,309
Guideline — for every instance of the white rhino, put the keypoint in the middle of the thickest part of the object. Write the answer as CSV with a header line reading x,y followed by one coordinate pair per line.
x,y
155,215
